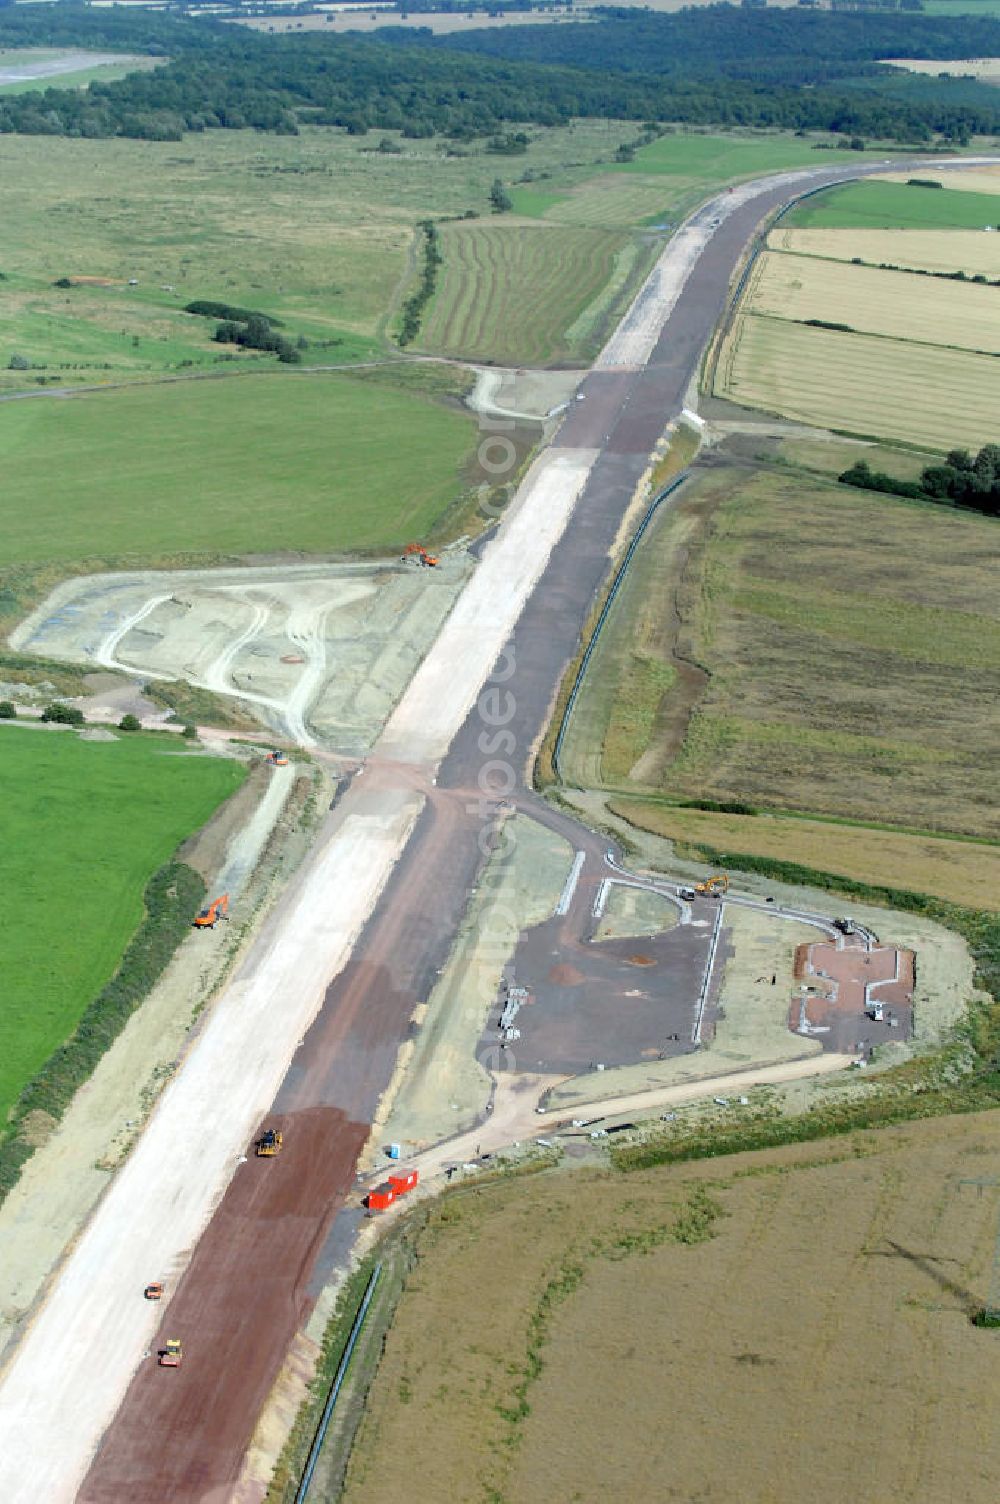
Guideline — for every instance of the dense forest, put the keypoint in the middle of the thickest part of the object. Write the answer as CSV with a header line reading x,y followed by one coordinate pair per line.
x,y
723,66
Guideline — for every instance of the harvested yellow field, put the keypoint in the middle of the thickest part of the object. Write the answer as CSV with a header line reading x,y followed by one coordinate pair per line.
x,y
916,394
769,1328
876,302
959,871
969,251
972,179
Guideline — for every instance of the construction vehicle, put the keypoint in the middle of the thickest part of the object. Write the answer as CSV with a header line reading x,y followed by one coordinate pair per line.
x,y
419,554
170,1354
209,917
269,1144
718,884
154,1291
277,759
845,925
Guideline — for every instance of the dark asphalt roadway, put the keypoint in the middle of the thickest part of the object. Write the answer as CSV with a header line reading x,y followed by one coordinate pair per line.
x,y
182,1435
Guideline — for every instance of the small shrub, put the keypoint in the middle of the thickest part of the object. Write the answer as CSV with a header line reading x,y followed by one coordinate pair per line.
x,y
19,363
65,715
8,710
130,722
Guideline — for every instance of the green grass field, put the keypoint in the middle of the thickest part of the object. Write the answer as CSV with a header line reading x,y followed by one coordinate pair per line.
x,y
895,206
849,647
668,177
84,825
523,294
248,465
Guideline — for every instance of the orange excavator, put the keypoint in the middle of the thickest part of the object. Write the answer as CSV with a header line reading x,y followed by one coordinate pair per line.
x,y
277,759
210,916
429,561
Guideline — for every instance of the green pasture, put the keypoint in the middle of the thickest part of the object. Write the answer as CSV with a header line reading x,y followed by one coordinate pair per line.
x,y
716,159
666,178
83,826
318,463
895,206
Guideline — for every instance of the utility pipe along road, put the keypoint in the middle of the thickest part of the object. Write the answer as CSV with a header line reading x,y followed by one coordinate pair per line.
x,y
307,1033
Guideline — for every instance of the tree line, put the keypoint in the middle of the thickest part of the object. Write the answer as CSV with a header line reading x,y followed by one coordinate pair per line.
x,y
962,481
721,66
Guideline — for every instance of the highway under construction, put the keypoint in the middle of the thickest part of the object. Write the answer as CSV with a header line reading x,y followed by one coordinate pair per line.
x,y
306,1035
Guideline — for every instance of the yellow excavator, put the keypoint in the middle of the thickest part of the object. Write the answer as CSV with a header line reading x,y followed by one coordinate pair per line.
x,y
269,1144
718,884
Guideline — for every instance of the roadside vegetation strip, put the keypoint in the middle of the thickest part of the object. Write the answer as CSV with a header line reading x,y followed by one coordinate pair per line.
x,y
671,466
945,869
882,206
509,293
171,896
609,601
337,1385
265,463
86,829
872,388
869,300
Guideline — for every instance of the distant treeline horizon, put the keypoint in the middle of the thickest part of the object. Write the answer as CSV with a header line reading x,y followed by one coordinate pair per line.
x,y
794,69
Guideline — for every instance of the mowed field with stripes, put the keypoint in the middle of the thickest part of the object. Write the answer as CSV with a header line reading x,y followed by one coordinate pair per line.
x,y
526,293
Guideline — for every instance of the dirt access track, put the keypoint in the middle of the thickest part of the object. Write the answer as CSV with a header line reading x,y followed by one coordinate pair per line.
x,y
392,865
316,651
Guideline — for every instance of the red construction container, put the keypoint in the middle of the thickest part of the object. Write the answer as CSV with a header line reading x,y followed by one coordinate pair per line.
x,y
403,1180
381,1198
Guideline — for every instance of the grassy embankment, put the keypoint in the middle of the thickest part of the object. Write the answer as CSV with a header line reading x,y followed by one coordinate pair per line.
x,y
905,357
844,1272
85,827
